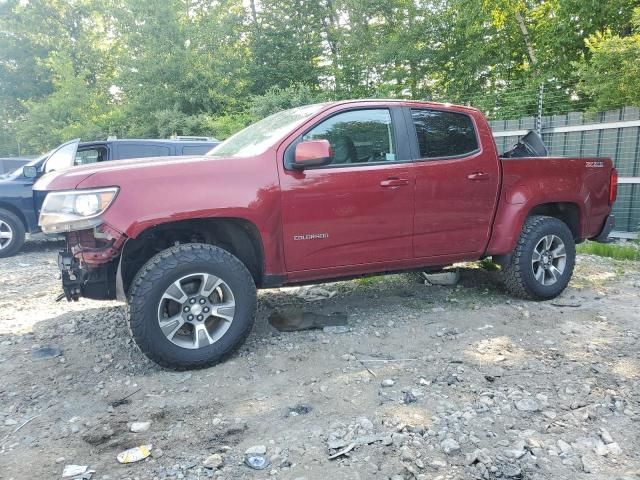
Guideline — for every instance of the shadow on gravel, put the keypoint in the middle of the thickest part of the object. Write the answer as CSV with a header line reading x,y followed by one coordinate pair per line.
x,y
41,245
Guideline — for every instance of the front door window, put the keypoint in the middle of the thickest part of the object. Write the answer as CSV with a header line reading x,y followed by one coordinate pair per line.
x,y
358,137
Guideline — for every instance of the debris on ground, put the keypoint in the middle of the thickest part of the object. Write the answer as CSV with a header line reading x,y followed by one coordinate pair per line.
x,y
294,319
449,278
134,454
257,462
299,410
311,293
44,353
71,471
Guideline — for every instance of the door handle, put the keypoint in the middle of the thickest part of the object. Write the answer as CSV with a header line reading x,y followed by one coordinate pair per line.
x,y
478,176
394,182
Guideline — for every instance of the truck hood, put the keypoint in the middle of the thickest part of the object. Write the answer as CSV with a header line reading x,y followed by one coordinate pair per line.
x,y
110,173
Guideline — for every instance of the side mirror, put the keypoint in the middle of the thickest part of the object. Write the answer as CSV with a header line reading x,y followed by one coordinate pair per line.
x,y
312,153
30,171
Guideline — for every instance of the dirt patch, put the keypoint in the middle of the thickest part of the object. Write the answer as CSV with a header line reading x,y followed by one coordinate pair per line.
x,y
428,382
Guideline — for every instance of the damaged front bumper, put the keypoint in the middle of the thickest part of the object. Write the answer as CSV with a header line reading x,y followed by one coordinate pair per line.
x,y
89,265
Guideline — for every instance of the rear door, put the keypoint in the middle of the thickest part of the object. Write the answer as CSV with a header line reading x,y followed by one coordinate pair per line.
x,y
359,209
457,183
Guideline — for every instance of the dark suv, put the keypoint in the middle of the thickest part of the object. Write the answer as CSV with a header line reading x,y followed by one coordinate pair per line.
x,y
17,213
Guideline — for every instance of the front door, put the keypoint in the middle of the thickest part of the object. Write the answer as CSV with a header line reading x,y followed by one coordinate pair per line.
x,y
358,210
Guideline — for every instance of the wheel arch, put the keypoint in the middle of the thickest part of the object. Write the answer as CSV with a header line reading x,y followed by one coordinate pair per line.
x,y
16,211
511,219
568,212
238,236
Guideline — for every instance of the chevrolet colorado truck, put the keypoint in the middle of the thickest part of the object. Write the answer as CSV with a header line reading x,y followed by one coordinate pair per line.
x,y
312,194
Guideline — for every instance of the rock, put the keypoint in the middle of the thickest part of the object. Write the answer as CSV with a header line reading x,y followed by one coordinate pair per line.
x,y
157,453
450,446
9,422
478,456
407,454
511,471
606,436
213,462
601,449
409,397
365,423
564,447
256,450
515,453
388,383
589,463
437,464
527,405
614,449
140,427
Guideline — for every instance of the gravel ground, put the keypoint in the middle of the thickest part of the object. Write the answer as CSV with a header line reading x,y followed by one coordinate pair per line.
x,y
428,383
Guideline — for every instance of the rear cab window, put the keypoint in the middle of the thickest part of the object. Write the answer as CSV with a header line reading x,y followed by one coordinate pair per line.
x,y
443,134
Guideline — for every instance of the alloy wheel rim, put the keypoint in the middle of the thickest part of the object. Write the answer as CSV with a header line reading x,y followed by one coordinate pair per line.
x,y
196,310
549,260
6,234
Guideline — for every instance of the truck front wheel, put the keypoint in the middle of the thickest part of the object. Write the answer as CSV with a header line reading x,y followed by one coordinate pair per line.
x,y
542,263
11,234
191,305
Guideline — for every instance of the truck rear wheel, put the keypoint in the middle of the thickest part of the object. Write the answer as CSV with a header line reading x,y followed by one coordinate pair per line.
x,y
11,234
191,305
542,263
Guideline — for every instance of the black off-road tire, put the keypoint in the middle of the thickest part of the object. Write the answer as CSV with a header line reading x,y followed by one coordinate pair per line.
x,y
17,229
518,274
154,278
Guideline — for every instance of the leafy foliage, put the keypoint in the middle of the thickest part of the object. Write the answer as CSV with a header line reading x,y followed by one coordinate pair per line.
x,y
153,68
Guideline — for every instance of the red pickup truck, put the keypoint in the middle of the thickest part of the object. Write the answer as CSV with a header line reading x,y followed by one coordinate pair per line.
x,y
312,194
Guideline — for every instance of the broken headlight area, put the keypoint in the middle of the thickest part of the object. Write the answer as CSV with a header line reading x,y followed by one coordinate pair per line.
x,y
90,262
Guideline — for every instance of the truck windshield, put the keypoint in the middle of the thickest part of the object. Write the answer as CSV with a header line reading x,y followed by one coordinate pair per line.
x,y
256,138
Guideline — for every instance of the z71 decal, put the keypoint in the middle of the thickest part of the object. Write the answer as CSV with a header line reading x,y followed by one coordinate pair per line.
x,y
595,164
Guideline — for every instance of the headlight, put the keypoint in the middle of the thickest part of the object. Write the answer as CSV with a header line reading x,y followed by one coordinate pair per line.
x,y
75,209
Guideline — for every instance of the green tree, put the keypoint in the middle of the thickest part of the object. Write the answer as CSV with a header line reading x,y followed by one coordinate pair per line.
x,y
612,73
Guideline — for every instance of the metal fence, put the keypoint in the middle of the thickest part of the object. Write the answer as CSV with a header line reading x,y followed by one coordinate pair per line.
x,y
614,134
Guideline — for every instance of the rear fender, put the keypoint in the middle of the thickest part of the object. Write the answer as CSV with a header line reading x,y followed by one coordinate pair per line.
x,y
518,205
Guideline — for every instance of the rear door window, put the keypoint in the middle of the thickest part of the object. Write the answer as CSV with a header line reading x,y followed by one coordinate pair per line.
x,y
130,150
443,134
